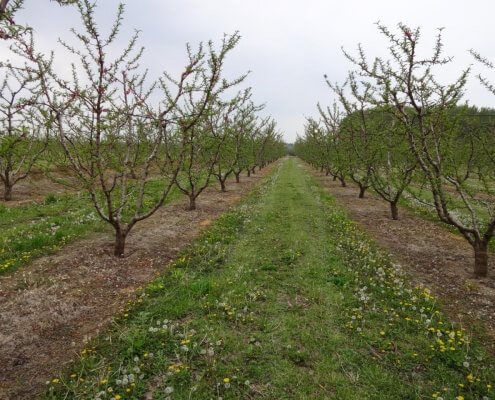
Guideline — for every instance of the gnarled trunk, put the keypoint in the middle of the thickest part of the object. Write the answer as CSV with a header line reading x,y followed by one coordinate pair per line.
x,y
480,258
222,185
7,193
394,210
249,173
192,203
342,182
237,178
118,249
362,189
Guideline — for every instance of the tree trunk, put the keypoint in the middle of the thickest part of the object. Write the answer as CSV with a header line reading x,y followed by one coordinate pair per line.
x,y
362,189
342,182
327,173
237,179
249,173
259,168
394,210
253,170
118,250
7,194
321,169
192,203
480,259
334,178
222,185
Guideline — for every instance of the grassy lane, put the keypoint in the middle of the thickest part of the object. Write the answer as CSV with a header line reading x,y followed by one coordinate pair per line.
x,y
283,298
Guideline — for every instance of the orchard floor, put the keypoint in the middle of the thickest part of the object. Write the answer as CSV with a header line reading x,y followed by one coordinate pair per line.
x,y
49,309
38,185
433,256
280,298
283,297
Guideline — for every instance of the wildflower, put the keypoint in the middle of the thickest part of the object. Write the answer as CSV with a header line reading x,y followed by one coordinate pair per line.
x,y
169,389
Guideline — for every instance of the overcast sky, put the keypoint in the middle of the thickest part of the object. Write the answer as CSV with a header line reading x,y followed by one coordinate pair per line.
x,y
287,44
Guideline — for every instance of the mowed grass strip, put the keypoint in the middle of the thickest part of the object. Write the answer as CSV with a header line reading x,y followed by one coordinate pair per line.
x,y
282,298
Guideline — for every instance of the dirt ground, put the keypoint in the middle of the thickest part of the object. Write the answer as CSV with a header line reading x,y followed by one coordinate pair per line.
x,y
51,307
430,254
36,186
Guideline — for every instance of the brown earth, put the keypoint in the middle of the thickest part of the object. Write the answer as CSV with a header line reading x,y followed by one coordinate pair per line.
x,y
37,186
50,308
432,256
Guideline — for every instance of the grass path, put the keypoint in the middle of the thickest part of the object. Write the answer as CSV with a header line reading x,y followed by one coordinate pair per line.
x,y
283,298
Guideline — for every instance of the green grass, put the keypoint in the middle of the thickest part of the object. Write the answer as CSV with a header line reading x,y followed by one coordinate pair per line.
x,y
282,298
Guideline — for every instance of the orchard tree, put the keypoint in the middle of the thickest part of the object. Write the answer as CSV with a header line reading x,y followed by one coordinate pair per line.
x,y
203,145
253,125
9,29
114,139
394,166
235,128
254,146
334,141
23,136
408,87
358,139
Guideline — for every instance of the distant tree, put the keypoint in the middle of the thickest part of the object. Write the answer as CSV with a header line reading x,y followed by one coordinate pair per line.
x,y
357,138
203,145
23,136
238,127
333,140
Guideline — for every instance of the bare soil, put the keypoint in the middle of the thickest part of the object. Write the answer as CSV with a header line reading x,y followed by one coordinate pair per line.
x,y
50,308
432,256
37,186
